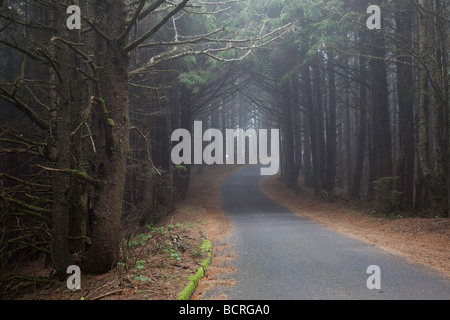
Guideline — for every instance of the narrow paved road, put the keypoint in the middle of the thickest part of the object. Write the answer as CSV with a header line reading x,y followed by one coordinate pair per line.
x,y
283,256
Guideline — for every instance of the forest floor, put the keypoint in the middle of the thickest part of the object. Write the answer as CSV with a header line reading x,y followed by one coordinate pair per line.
x,y
156,261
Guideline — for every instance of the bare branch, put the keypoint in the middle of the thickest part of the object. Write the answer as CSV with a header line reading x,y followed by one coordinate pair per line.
x,y
199,38
24,108
212,52
155,29
23,50
130,24
26,183
150,9
86,115
78,174
148,151
19,137
19,151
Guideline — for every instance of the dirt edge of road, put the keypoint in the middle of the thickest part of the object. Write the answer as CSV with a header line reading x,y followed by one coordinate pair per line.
x,y
219,277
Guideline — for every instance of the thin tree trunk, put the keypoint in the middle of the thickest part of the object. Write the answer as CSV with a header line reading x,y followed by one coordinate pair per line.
x,y
405,91
382,145
362,106
313,128
348,138
318,132
330,177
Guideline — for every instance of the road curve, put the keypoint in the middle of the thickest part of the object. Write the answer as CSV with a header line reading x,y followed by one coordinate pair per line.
x,y
281,256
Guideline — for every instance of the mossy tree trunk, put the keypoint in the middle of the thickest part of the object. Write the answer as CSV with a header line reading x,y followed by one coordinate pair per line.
x,y
110,130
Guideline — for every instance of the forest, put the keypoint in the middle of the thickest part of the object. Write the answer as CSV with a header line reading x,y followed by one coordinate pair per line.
x,y
87,114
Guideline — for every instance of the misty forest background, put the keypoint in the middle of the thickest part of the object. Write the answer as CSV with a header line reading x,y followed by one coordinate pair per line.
x,y
86,115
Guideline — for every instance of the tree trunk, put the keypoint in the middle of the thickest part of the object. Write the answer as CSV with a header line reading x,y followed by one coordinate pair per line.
x,y
405,91
318,148
298,162
313,128
291,178
382,145
362,106
110,133
330,177
348,137
67,212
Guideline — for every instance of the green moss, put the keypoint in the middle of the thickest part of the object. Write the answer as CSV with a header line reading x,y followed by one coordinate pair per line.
x,y
205,245
84,202
111,122
193,280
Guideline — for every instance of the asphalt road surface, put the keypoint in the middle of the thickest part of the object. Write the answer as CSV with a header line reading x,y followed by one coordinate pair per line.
x,y
282,256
